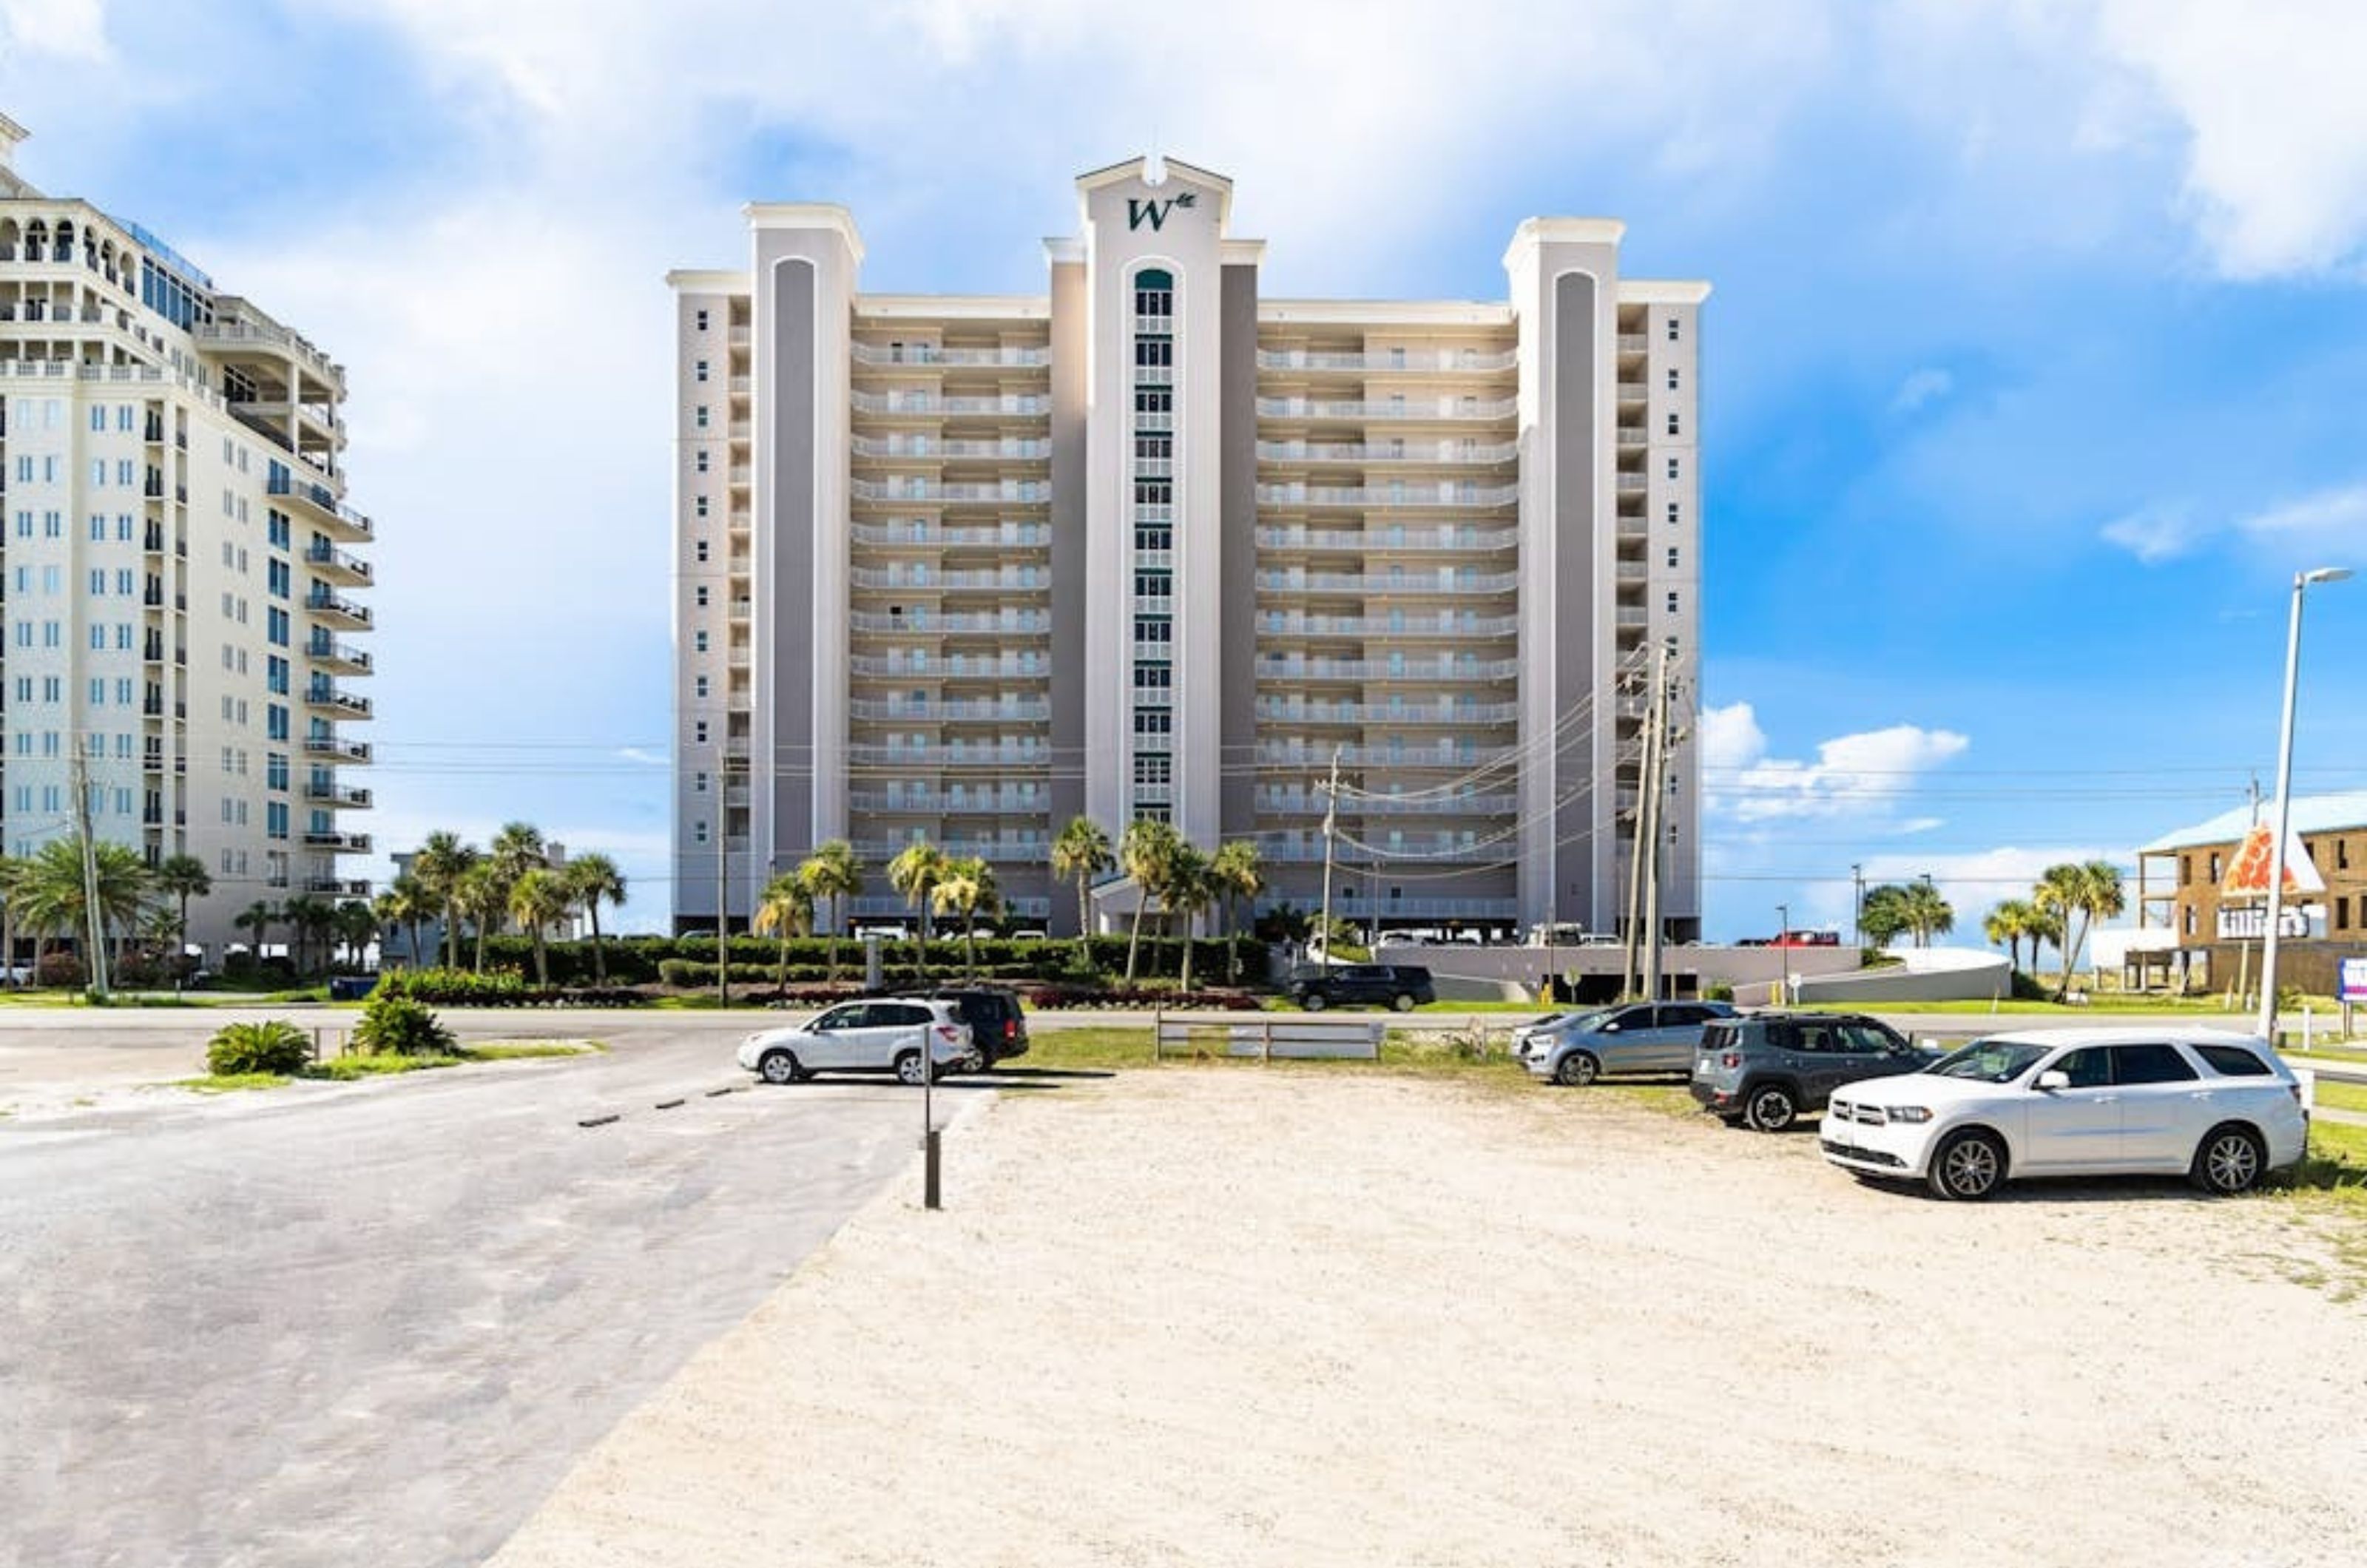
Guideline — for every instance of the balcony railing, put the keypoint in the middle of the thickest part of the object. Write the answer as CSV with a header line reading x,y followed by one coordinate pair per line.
x,y
1013,449
338,795
343,657
1378,582
1370,541
1282,711
1012,579
924,533
1425,361
1444,667
342,564
1355,902
956,667
320,602
322,500
1453,408
1429,852
1459,454
330,749
950,756
916,404
1317,755
1009,493
970,803
1306,802
342,843
1635,343
344,704
929,354
1426,497
958,711
879,852
355,887
1277,623
922,621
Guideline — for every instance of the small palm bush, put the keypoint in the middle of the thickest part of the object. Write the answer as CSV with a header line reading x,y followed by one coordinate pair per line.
x,y
271,1047
401,1027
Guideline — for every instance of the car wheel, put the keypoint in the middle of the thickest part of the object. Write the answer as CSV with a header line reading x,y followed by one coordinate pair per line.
x,y
1968,1167
1312,1001
1576,1070
908,1067
1402,1002
2229,1161
778,1067
1772,1108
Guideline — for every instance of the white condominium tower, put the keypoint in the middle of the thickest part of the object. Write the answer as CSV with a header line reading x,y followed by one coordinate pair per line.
x,y
1152,543
174,552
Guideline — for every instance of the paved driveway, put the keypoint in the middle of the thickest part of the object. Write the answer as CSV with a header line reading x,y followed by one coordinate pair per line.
x,y
373,1323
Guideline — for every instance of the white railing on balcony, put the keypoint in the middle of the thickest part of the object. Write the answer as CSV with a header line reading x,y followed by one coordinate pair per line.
x,y
921,533
958,711
1425,496
1634,615
879,852
1429,850
1296,753
1355,902
1446,580
1164,326
1282,710
1307,802
931,403
1634,484
976,754
1142,420
1277,624
1418,361
1370,541
930,354
1634,438
1011,579
1393,408
1018,492
977,803
921,665
1634,571
1443,666
921,621
1014,449
1155,560
1457,453
1154,467
1634,392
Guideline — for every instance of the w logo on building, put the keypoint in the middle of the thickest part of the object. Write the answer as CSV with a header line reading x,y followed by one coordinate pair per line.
x,y
1156,211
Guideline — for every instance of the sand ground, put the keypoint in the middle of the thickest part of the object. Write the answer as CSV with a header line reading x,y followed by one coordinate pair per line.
x,y
1296,1317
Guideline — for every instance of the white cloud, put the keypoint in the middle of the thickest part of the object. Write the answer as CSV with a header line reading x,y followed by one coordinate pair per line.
x,y
1867,775
1973,882
73,30
1927,385
644,754
2268,95
2156,534
2334,517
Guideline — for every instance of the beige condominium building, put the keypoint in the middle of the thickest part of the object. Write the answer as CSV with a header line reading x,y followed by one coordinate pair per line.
x,y
180,568
1153,543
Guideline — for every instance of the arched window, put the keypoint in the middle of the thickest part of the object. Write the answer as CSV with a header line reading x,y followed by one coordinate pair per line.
x,y
1154,292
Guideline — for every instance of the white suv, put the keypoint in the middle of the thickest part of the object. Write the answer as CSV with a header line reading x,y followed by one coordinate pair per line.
x,y
880,1033
2222,1108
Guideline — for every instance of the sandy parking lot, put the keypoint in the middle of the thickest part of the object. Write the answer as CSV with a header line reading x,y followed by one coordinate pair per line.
x,y
1292,1318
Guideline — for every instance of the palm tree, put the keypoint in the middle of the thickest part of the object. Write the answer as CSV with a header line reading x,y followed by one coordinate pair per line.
x,y
786,905
404,903
357,927
1081,853
1884,914
917,869
303,914
440,864
54,899
517,849
1236,873
258,917
540,899
832,873
1147,853
2058,893
1190,890
13,875
590,881
2077,896
2004,923
968,887
481,896
182,878
1928,914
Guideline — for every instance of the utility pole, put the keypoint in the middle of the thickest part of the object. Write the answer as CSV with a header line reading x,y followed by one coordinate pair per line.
x,y
1330,789
94,918
1665,685
722,872
1857,904
1783,953
1631,964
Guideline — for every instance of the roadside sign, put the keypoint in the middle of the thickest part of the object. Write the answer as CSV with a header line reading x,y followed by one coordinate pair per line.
x,y
2248,872
2355,980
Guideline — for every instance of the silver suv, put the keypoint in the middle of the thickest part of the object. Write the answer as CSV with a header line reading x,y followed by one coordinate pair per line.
x,y
1578,1047
1769,1069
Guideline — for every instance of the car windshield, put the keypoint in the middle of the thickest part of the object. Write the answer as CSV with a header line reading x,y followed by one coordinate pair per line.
x,y
1588,1023
1988,1061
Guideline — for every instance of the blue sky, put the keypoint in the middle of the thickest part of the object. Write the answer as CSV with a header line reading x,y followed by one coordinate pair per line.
x,y
2034,370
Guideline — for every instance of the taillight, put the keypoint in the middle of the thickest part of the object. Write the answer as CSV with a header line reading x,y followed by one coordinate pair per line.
x,y
1732,1059
947,1033
1011,1029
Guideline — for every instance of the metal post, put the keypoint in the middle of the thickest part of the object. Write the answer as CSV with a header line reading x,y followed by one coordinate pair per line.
x,y
1857,906
928,1119
1662,688
1783,947
2302,581
1330,815
93,917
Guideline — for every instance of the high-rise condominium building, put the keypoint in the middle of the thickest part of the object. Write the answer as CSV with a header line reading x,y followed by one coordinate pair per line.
x,y
1153,544
180,593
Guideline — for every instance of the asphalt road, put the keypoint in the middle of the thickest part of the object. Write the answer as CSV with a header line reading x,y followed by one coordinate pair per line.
x,y
374,1322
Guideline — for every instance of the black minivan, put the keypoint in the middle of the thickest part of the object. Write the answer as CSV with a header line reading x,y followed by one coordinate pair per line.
x,y
1398,985
998,1027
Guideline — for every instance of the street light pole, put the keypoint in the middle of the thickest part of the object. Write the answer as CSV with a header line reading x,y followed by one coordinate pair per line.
x,y
1784,946
1857,905
2302,583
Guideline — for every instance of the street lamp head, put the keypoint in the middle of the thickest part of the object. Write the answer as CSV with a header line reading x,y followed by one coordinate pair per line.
x,y
2324,574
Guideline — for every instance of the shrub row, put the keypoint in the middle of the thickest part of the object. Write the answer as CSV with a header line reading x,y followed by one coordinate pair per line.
x,y
638,960
498,988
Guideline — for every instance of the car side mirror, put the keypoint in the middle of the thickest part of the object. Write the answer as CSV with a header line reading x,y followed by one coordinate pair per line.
x,y
2051,1079
1612,1028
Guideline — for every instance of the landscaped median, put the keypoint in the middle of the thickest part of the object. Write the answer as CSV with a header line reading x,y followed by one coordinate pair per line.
x,y
395,1035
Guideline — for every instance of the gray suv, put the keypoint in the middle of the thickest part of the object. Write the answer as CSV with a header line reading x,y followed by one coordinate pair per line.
x,y
1771,1068
1640,1037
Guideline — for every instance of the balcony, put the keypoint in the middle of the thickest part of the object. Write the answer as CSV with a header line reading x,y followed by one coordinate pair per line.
x,y
1414,362
1029,710
930,405
1292,803
337,658
938,492
321,505
1634,484
1428,670
1316,756
1635,343
1634,438
951,756
1453,410
1010,580
1373,583
1457,454
1277,710
930,354
919,447
879,852
921,622
337,612
1275,624
916,667
336,565
341,887
339,843
329,749
928,803
924,533
326,697
1395,539
1356,904
1494,852
1461,496
338,795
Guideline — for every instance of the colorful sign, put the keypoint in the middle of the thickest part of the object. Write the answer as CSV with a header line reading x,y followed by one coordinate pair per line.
x,y
2248,875
2353,985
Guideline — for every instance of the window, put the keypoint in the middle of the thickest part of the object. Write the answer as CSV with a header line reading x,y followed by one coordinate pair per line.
x,y
701,318
2151,1064
1675,428
1672,377
1152,721
2342,914
2090,1068
1153,629
1672,602
698,595
699,416
698,732
699,783
1674,330
699,552
698,371
1154,351
699,505
2233,1061
1156,770
1153,585
699,686
1673,470
1672,557
2214,866
698,461
698,832
1154,677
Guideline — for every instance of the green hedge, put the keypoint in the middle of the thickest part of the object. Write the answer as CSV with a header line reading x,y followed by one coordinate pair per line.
x,y
640,960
